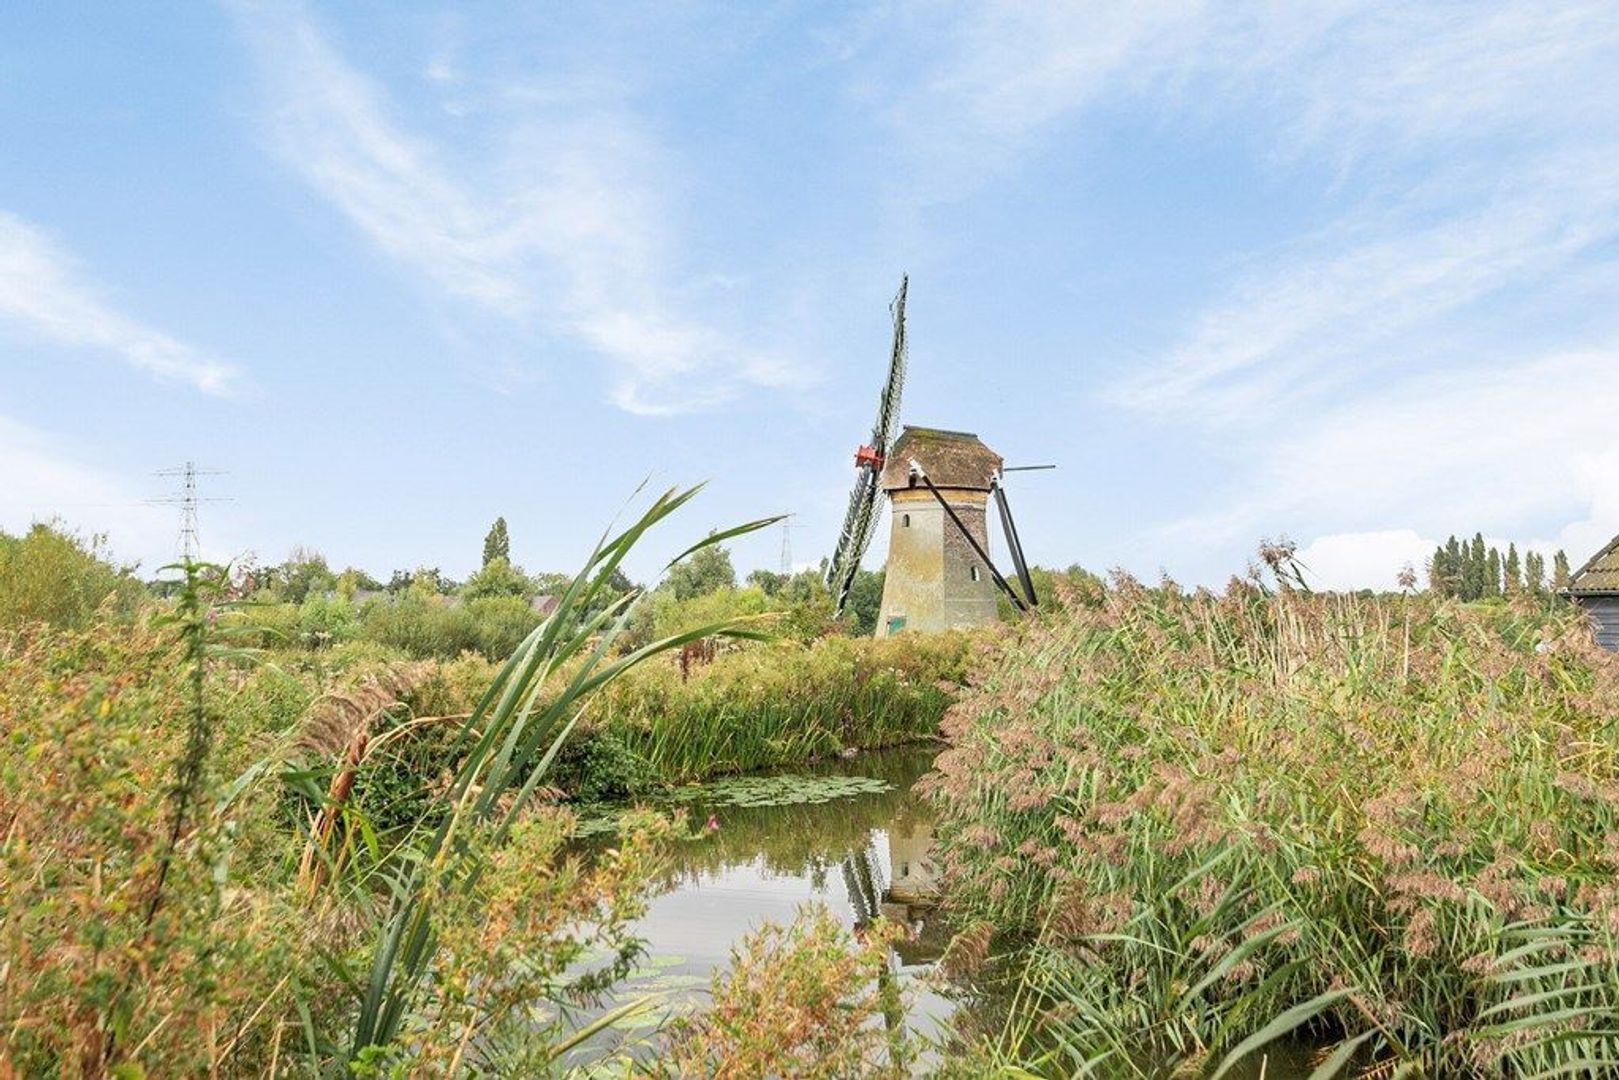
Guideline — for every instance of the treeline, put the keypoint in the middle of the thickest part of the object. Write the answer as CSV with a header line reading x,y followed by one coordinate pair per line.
x,y
52,575
1472,570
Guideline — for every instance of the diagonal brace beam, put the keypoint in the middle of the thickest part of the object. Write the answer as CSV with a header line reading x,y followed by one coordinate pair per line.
x,y
978,549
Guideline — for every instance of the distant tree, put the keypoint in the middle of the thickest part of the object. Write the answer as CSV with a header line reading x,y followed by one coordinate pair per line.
x,y
767,581
498,577
1560,572
1512,572
1534,573
1492,573
353,580
496,544
1407,578
1477,567
1456,566
399,581
551,583
304,574
865,602
704,571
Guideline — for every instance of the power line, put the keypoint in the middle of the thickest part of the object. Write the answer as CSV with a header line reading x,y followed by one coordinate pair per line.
x,y
187,499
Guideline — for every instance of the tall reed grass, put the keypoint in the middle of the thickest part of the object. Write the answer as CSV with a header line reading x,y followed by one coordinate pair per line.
x,y
1189,825
784,703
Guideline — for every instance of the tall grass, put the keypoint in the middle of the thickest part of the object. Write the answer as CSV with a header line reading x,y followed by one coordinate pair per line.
x,y
1197,824
785,703
514,735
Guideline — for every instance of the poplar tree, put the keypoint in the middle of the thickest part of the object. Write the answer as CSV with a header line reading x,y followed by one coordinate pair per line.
x,y
1492,573
1534,573
496,544
1560,573
1513,572
1477,567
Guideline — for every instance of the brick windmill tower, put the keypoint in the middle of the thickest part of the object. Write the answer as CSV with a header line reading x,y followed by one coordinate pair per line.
x,y
940,484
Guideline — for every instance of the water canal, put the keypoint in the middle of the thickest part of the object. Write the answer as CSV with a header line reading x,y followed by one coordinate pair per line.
x,y
846,833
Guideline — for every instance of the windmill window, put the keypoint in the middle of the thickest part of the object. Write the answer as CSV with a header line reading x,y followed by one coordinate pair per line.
x,y
974,571
905,521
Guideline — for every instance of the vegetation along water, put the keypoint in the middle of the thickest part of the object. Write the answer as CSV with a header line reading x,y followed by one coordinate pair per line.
x,y
1262,832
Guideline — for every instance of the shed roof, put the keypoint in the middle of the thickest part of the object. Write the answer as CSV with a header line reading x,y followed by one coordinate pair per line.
x,y
951,459
1600,575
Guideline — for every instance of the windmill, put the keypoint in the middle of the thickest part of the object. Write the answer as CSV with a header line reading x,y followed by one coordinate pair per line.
x,y
940,483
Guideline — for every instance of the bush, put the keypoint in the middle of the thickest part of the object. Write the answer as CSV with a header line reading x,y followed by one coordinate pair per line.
x,y
52,576
1389,820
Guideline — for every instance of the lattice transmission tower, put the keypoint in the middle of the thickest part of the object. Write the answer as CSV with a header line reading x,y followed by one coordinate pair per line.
x,y
187,499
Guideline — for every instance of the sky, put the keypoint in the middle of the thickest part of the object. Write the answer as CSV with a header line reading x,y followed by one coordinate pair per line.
x,y
1345,272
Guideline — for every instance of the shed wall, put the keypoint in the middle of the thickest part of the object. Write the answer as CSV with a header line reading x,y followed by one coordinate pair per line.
x,y
1604,613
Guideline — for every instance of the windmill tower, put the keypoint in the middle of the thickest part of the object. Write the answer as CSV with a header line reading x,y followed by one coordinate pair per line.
x,y
940,483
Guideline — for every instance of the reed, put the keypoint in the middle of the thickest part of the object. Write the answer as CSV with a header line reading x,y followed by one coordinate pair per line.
x,y
1203,823
784,703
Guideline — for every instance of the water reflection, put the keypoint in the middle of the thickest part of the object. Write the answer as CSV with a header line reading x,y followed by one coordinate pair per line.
x,y
862,856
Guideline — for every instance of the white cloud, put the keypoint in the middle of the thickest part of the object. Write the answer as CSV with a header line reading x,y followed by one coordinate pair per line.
x,y
1366,560
1337,309
569,229
40,481
1405,369
42,292
1451,451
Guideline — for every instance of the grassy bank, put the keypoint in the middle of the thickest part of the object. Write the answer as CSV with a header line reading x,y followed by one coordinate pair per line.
x,y
1188,824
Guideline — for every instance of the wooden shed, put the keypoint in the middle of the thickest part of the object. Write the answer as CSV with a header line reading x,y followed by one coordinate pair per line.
x,y
1595,587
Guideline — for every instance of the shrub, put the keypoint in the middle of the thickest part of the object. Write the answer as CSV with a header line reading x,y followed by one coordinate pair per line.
x,y
1200,820
53,576
806,1000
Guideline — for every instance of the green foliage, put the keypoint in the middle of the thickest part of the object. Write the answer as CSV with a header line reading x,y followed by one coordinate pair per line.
x,y
513,737
128,945
700,573
865,602
1198,823
497,577
496,544
1468,570
303,575
52,576
806,1000
759,706
1561,575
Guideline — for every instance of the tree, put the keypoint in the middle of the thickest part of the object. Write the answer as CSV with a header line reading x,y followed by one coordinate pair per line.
x,y
496,544
1492,573
1560,572
1534,573
305,574
498,577
1512,570
766,581
1477,567
865,602
704,571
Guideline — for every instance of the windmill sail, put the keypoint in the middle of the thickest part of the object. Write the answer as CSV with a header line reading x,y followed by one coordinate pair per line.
x,y
861,518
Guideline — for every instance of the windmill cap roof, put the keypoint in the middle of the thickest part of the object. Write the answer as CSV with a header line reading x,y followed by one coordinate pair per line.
x,y
1600,575
951,459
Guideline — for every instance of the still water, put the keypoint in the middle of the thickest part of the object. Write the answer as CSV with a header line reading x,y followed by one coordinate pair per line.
x,y
863,852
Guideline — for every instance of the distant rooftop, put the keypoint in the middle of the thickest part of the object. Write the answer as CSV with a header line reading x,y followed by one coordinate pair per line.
x,y
1599,576
951,459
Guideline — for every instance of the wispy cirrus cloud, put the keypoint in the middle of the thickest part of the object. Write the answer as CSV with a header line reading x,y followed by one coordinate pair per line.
x,y
1392,363
45,294
565,228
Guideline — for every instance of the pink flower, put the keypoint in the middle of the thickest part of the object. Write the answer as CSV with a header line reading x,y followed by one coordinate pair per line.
x,y
713,824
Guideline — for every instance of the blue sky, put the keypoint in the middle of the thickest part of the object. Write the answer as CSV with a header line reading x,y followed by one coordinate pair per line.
x,y
1341,271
